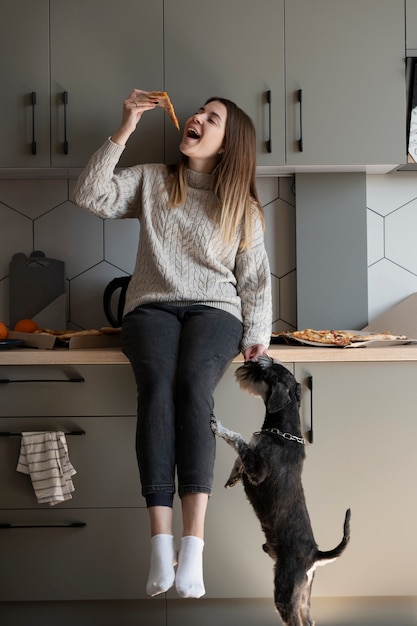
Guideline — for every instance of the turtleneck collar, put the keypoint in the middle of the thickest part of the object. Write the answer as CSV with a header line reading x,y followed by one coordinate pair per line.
x,y
199,180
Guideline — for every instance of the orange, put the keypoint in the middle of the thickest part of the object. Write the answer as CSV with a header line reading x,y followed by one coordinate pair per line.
x,y
26,326
4,331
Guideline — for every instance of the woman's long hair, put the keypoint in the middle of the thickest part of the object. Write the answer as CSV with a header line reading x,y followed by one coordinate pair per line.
x,y
234,178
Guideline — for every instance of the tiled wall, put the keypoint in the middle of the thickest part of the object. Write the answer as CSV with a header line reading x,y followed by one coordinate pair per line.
x,y
392,237
40,214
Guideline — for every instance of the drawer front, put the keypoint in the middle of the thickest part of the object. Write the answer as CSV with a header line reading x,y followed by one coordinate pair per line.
x,y
51,390
106,559
104,459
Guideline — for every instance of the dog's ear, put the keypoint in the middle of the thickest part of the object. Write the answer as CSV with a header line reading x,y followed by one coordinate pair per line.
x,y
279,398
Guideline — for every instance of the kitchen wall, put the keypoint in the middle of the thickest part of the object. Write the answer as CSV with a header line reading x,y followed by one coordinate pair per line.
x,y
392,249
40,214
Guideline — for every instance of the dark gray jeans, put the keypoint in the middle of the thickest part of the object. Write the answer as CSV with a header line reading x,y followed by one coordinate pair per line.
x,y
178,355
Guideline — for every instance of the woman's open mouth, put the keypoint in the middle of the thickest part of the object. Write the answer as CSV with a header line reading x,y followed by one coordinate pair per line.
x,y
192,134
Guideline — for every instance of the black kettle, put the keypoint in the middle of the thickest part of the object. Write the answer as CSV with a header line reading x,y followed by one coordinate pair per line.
x,y
115,284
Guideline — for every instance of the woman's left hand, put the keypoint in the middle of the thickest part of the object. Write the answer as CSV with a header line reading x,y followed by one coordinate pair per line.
x,y
252,353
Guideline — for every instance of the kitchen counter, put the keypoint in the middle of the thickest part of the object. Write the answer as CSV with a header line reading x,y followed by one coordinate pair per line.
x,y
285,353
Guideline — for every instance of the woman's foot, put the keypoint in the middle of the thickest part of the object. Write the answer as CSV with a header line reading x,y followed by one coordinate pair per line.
x,y
189,579
163,561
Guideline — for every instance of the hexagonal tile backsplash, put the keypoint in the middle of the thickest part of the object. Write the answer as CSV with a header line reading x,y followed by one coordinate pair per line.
x,y
392,250
40,214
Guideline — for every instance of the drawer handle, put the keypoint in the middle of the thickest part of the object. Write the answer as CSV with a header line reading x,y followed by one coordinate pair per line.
x,y
300,101
65,99
71,433
269,102
33,101
310,433
75,379
7,526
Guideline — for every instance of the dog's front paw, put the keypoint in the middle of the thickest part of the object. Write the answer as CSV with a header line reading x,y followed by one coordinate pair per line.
x,y
215,424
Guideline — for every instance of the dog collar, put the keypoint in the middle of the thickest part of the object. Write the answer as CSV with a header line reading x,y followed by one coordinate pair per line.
x,y
276,431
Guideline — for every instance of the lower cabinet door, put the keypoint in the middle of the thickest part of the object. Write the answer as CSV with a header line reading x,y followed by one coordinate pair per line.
x,y
363,457
73,554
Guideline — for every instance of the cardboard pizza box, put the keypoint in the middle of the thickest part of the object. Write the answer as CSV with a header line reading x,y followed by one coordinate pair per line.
x,y
49,342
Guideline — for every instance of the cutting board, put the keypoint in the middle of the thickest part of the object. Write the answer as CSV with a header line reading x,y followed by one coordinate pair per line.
x,y
37,290
401,319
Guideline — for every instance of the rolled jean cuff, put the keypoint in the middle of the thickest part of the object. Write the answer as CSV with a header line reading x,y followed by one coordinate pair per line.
x,y
185,490
159,499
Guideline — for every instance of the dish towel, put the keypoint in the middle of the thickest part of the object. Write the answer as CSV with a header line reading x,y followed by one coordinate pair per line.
x,y
44,455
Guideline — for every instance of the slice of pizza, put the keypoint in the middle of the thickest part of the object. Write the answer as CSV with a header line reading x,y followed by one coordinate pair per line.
x,y
385,336
339,337
329,337
166,104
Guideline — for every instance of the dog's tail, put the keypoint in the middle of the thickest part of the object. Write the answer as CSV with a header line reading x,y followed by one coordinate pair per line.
x,y
331,555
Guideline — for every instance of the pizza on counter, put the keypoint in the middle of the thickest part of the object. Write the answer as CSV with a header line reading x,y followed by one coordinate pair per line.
x,y
68,334
338,337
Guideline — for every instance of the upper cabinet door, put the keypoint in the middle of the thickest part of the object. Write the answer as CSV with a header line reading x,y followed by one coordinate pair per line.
x,y
232,49
411,27
24,63
347,58
100,51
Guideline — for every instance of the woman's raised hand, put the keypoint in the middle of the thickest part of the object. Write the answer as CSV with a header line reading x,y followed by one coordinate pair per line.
x,y
133,108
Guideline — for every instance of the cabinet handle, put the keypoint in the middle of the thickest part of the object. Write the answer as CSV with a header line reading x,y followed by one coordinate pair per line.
x,y
300,101
71,433
7,526
310,433
33,98
65,98
269,140
75,379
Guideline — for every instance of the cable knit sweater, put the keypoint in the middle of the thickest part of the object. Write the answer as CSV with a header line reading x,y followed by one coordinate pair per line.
x,y
181,257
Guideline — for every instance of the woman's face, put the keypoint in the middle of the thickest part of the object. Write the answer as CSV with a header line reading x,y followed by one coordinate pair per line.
x,y
203,136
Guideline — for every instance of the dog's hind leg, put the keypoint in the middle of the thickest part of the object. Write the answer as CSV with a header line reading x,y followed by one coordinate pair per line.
x,y
292,589
305,616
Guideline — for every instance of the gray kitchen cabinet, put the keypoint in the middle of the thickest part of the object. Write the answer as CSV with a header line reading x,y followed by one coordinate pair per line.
x,y
45,558
232,49
348,66
24,60
362,457
80,59
100,51
347,61
100,402
106,554
411,27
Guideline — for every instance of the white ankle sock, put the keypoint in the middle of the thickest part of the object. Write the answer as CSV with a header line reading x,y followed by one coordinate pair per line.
x,y
163,560
189,580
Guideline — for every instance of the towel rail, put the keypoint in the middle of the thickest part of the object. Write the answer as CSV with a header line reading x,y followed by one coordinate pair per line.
x,y
71,433
8,526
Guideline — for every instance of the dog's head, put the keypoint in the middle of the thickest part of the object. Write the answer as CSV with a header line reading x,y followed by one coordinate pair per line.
x,y
270,380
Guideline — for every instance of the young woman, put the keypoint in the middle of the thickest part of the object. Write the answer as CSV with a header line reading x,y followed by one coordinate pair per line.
x,y
200,293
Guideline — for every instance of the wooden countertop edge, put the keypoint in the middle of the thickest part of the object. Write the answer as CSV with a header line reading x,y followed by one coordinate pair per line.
x,y
285,353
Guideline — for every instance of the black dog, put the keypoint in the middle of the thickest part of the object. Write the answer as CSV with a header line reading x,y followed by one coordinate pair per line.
x,y
270,467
